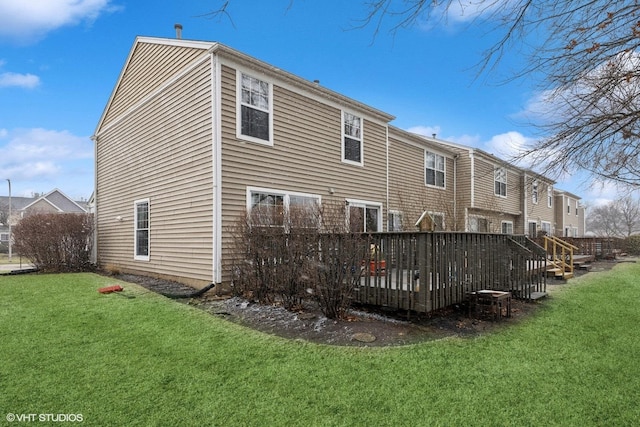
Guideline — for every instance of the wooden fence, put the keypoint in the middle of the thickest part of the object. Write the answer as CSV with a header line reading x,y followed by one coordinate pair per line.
x,y
424,272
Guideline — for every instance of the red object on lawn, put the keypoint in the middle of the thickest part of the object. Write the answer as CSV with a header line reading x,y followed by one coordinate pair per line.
x,y
109,289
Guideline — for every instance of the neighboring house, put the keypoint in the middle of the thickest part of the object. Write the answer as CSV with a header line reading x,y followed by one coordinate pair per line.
x,y
569,215
421,180
538,205
54,201
196,134
489,191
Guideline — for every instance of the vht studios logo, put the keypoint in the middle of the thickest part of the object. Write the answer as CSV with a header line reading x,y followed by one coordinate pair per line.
x,y
56,418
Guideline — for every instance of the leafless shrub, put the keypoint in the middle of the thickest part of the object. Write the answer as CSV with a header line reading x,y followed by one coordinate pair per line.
x,y
299,254
55,242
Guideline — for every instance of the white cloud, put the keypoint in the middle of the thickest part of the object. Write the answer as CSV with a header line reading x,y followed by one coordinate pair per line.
x,y
28,81
507,145
46,158
30,20
425,130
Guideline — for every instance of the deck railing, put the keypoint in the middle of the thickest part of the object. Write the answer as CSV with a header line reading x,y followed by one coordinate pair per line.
x,y
561,254
424,272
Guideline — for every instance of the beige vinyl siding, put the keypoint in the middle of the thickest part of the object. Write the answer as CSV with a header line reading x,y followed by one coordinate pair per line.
x,y
305,156
408,192
149,68
162,151
485,197
541,211
42,206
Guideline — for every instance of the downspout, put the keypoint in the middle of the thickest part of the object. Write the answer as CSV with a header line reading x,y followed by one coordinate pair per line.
x,y
94,249
525,197
455,191
387,178
473,180
216,153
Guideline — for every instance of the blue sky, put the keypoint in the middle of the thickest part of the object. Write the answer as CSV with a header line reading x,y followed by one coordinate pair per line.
x,y
60,59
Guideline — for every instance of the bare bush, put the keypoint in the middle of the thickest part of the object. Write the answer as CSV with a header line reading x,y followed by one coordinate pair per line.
x,y
301,253
55,242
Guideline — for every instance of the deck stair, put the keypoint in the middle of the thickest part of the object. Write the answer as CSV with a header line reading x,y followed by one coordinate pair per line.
x,y
561,261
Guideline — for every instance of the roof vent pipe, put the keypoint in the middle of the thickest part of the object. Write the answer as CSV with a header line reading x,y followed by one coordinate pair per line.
x,y
178,28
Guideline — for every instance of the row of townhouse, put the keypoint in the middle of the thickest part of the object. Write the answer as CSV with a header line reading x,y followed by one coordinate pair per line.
x,y
195,134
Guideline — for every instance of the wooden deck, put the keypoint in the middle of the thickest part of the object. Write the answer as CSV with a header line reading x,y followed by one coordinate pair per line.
x,y
429,271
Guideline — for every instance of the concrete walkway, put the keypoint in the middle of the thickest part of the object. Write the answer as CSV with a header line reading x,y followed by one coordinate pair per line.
x,y
15,267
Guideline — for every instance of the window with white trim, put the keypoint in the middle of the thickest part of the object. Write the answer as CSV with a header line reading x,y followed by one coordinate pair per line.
x,y
274,208
394,222
549,196
438,221
500,180
478,224
434,169
576,208
507,227
352,138
255,109
142,226
364,216
568,206
4,237
534,192
545,227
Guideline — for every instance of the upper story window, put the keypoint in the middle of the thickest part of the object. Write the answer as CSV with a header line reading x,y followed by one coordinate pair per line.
x,y
434,169
255,109
142,228
500,181
534,192
569,206
549,196
351,138
576,208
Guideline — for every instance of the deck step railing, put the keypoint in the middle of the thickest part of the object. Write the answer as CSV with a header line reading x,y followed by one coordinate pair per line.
x,y
560,255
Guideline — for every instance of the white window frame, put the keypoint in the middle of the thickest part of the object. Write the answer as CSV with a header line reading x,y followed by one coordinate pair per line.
x,y
240,104
286,195
576,208
535,228
435,169
498,178
508,225
568,207
474,223
136,204
344,135
395,217
365,204
549,196
535,193
433,218
546,227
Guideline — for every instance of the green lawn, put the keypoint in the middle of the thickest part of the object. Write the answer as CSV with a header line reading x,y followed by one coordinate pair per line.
x,y
147,360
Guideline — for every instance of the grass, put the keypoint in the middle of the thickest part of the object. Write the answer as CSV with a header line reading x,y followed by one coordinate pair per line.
x,y
141,359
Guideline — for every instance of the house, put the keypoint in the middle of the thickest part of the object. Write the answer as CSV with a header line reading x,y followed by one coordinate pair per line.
x,y
54,201
569,215
195,134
